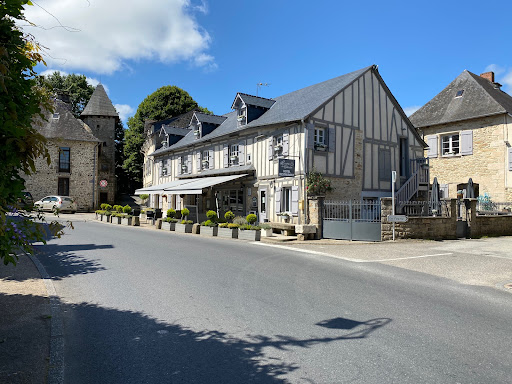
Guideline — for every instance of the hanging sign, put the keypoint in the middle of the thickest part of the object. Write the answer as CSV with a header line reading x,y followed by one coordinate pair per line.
x,y
103,183
286,168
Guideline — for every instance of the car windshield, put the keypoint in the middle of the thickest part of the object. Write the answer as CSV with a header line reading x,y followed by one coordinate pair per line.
x,y
67,199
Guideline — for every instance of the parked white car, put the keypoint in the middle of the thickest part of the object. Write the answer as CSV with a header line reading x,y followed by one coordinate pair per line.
x,y
56,203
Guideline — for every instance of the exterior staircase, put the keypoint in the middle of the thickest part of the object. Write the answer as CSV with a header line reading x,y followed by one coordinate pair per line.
x,y
419,181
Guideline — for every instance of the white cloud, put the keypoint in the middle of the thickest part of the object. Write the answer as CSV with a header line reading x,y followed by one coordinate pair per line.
x,y
125,111
410,110
507,81
498,70
103,36
503,75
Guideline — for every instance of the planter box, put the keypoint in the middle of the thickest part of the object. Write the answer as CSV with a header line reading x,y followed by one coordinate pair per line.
x,y
228,233
168,226
99,217
209,231
108,219
266,232
116,220
126,221
249,234
135,221
183,228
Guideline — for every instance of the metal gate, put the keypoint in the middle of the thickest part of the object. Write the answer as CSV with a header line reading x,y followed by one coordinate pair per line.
x,y
352,220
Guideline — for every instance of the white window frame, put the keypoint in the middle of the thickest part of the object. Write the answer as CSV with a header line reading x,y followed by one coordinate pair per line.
x,y
278,146
205,159
319,139
450,150
184,167
234,150
286,199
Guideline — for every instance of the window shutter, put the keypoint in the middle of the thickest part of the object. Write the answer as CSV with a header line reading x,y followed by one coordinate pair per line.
x,y
211,160
310,132
443,189
226,155
189,164
179,165
286,143
198,161
277,196
509,158
241,153
270,148
432,146
331,139
295,200
466,143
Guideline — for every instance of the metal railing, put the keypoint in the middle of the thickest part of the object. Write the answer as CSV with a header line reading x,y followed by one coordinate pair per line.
x,y
362,211
419,174
425,208
493,208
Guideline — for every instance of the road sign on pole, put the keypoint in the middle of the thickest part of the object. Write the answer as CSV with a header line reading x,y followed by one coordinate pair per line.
x,y
397,218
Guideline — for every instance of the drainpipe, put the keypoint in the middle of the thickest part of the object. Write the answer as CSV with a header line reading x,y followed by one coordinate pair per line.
x,y
306,218
94,174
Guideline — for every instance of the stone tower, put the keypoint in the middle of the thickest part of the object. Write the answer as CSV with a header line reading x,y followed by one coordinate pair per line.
x,y
101,117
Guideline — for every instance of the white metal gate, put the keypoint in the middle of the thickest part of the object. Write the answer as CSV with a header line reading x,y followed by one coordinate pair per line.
x,y
352,220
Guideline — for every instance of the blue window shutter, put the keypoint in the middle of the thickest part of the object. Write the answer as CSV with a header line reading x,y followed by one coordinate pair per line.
x,y
270,148
226,155
310,132
211,160
295,200
241,153
466,143
509,158
286,143
277,197
179,165
432,146
331,139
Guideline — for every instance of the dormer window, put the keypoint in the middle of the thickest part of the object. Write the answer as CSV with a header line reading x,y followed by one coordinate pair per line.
x,y
459,93
197,131
241,115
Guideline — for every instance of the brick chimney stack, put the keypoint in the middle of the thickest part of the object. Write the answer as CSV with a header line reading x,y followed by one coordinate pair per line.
x,y
488,76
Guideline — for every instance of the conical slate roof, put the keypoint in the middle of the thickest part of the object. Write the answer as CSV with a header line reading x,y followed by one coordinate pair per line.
x,y
99,104
479,98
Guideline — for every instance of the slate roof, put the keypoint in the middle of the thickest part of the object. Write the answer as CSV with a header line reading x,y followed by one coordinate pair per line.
x,y
99,104
175,131
290,107
66,127
480,98
180,121
256,100
212,119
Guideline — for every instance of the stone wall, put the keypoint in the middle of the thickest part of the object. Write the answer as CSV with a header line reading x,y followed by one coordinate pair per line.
x,y
315,214
489,225
436,228
487,166
83,166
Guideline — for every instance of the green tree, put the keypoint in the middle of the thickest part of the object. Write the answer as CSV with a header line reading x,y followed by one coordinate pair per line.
x,y
79,90
21,103
165,102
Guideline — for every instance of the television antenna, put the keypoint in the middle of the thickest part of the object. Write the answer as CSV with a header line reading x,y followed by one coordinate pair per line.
x,y
259,85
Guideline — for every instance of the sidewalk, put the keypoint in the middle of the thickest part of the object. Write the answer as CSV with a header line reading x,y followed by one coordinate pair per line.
x,y
24,324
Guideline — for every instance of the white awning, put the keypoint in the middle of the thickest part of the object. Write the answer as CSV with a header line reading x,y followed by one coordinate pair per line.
x,y
159,188
196,186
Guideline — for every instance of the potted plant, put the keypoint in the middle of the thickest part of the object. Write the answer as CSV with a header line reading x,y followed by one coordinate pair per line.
x,y
210,226
116,218
233,158
250,231
266,230
127,218
228,230
144,197
285,216
320,147
185,226
169,223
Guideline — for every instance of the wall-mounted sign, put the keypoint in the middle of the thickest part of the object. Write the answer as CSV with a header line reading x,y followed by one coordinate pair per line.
x,y
254,202
286,168
103,183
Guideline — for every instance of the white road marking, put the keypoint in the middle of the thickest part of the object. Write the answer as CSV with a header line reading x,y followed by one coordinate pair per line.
x,y
410,257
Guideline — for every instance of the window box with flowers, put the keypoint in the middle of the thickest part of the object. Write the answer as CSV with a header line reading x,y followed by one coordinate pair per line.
x,y
320,147
317,184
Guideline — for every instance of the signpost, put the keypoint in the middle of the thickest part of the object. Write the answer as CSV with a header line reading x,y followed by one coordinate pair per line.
x,y
393,181
103,183
397,219
286,168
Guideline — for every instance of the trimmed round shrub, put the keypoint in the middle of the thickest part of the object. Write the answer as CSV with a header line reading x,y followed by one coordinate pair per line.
x,y
127,209
185,212
211,215
171,213
108,207
229,215
223,225
187,222
251,218
119,208
103,206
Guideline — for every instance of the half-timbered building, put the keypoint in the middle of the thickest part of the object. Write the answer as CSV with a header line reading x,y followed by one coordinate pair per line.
x,y
257,157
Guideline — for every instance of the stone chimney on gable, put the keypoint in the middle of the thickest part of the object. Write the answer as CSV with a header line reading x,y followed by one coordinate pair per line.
x,y
488,76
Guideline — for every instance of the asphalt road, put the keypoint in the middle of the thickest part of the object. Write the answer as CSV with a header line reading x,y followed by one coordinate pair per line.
x,y
144,306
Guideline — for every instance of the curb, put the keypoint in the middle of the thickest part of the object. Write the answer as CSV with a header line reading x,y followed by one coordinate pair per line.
x,y
56,364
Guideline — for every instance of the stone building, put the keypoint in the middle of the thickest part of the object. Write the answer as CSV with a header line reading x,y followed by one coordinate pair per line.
x,y
81,156
468,129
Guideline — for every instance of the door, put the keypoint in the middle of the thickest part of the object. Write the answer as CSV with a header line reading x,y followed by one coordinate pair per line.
x,y
404,160
103,197
262,206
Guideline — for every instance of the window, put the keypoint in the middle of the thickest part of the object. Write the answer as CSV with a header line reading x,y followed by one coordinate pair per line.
x,y
241,116
64,159
205,162
56,116
459,93
385,164
164,168
450,145
319,136
184,164
286,200
263,201
233,154
63,186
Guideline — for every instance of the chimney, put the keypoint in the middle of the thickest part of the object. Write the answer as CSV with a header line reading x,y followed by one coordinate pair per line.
x,y
488,76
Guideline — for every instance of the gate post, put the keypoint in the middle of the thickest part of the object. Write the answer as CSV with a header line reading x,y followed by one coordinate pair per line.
x,y
316,214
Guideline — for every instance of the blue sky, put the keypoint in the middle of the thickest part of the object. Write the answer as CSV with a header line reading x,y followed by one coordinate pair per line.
x,y
213,49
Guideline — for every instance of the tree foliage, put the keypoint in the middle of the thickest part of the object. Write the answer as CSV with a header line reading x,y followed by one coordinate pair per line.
x,y
165,102
76,86
21,102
